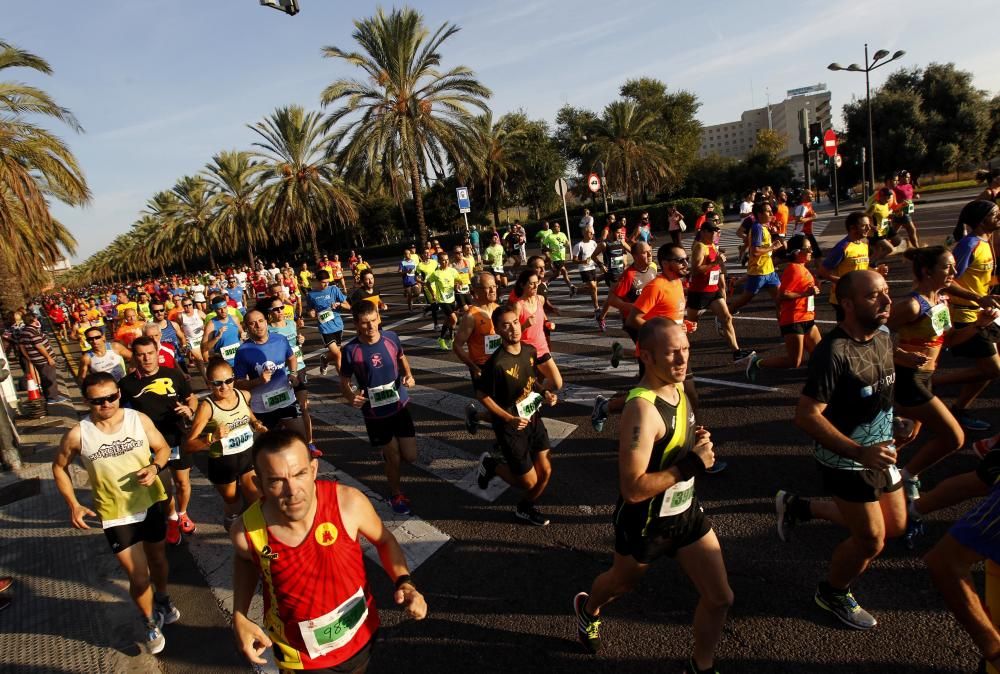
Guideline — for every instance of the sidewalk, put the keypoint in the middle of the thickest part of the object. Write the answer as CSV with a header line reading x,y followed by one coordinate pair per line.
x,y
71,610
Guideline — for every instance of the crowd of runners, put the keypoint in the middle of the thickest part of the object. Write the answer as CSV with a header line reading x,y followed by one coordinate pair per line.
x,y
869,393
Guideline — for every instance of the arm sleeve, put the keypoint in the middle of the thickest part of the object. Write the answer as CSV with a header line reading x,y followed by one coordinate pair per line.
x,y
963,254
647,299
347,361
835,256
182,386
756,235
824,372
240,368
485,382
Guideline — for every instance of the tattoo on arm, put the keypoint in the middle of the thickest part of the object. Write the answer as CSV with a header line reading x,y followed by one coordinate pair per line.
x,y
634,444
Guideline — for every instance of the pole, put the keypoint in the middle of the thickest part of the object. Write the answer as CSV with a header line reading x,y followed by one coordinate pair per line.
x,y
836,190
805,166
871,135
569,237
864,179
466,216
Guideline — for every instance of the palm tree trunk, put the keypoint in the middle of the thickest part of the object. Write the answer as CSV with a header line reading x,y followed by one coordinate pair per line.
x,y
312,237
184,266
418,200
496,213
211,259
250,255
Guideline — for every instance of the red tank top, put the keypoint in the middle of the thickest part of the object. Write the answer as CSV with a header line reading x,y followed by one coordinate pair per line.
x,y
318,608
709,281
535,333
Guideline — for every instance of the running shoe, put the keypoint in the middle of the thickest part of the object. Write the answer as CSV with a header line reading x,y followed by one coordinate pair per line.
x,y
165,612
442,344
530,514
587,628
845,608
617,353
985,446
753,369
692,668
5,583
400,505
187,526
741,355
487,469
314,451
471,418
173,532
450,343
324,366
911,488
155,640
970,423
717,467
599,415
601,323
572,291
914,530
783,501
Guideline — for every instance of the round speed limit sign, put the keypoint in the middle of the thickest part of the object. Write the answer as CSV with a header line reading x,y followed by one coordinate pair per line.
x,y
594,182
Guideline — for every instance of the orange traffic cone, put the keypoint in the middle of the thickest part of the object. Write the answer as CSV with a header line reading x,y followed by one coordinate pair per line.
x,y
34,392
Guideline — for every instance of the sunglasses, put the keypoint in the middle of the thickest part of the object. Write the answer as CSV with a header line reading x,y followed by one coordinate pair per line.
x,y
188,304
94,338
222,382
276,309
679,260
97,402
159,311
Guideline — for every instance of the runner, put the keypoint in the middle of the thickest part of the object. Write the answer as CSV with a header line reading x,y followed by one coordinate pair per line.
x,y
760,268
222,335
323,303
493,259
902,218
796,312
512,389
975,269
425,268
476,340
376,360
707,289
583,253
192,322
337,273
661,452
129,329
408,274
301,542
848,254
781,214
610,256
883,239
115,443
278,322
846,406
465,265
359,267
170,333
557,246
102,357
224,426
805,216
442,283
530,307
365,292
163,395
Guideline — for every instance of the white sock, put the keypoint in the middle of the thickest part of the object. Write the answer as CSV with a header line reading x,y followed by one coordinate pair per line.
x,y
172,516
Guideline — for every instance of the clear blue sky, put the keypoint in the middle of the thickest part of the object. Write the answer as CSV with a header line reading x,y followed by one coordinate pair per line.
x,y
160,86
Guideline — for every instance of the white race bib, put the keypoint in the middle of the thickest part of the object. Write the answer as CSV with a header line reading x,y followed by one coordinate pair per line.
x,y
526,408
940,318
325,316
380,396
713,277
491,343
811,303
448,296
195,342
300,359
229,352
462,288
278,399
335,629
677,499
238,440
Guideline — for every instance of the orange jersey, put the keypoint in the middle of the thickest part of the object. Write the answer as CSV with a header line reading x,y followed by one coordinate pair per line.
x,y
662,297
797,279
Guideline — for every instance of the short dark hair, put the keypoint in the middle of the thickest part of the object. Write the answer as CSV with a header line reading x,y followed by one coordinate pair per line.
x,y
216,362
500,311
363,308
96,379
853,219
759,206
666,251
275,441
144,340
924,259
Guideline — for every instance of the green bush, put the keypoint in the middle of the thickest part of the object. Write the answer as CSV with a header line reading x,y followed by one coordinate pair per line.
x,y
689,207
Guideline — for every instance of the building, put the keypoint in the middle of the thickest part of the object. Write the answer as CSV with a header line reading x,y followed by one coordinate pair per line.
x,y
735,139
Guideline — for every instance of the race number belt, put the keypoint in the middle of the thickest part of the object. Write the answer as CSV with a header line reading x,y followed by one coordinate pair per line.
x,y
677,499
335,629
380,396
527,407
277,399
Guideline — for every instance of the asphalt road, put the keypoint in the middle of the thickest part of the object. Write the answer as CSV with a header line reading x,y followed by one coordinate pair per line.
x,y
500,592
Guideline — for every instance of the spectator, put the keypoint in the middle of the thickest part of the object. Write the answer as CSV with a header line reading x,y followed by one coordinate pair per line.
x,y
34,345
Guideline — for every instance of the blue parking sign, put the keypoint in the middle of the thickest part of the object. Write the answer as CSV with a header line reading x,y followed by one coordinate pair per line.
x,y
464,206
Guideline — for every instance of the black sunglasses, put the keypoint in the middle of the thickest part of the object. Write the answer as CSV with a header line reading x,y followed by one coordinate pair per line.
x,y
222,382
97,402
187,304
276,308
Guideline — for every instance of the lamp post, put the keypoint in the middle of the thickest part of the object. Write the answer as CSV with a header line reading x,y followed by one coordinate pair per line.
x,y
868,67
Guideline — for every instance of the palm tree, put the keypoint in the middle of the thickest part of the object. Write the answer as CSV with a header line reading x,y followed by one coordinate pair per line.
x,y
492,159
623,141
237,220
407,109
191,226
34,165
300,186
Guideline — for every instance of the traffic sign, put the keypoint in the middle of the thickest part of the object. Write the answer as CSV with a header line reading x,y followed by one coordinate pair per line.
x,y
464,206
594,182
837,161
561,187
830,142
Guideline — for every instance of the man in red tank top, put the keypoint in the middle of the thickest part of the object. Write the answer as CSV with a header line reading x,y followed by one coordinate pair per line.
x,y
301,539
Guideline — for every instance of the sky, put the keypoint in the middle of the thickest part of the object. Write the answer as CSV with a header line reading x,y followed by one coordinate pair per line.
x,y
161,85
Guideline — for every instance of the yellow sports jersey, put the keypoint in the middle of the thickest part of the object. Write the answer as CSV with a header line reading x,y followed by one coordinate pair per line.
x,y
111,460
881,217
974,272
760,265
126,305
845,256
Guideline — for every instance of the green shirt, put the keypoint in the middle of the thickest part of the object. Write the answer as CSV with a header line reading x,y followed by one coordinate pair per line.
x,y
556,243
443,283
494,257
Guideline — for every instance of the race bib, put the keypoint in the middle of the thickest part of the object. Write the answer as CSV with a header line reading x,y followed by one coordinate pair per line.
x,y
491,343
300,359
239,439
498,268
677,499
325,316
448,296
462,288
195,342
811,303
527,407
618,264
713,277
940,319
229,352
909,208
380,396
175,453
335,629
883,227
277,399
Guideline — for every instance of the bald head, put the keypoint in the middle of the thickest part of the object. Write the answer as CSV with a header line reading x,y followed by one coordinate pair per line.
x,y
640,247
658,330
857,283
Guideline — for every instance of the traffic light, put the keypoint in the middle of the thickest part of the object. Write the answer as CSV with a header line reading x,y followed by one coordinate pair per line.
x,y
815,135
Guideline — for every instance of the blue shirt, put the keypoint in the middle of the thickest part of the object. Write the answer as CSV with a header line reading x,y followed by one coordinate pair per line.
x,y
324,301
252,359
474,237
230,336
375,365
236,294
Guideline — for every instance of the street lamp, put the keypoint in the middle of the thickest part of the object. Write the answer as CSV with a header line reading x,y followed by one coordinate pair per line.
x,y
868,67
